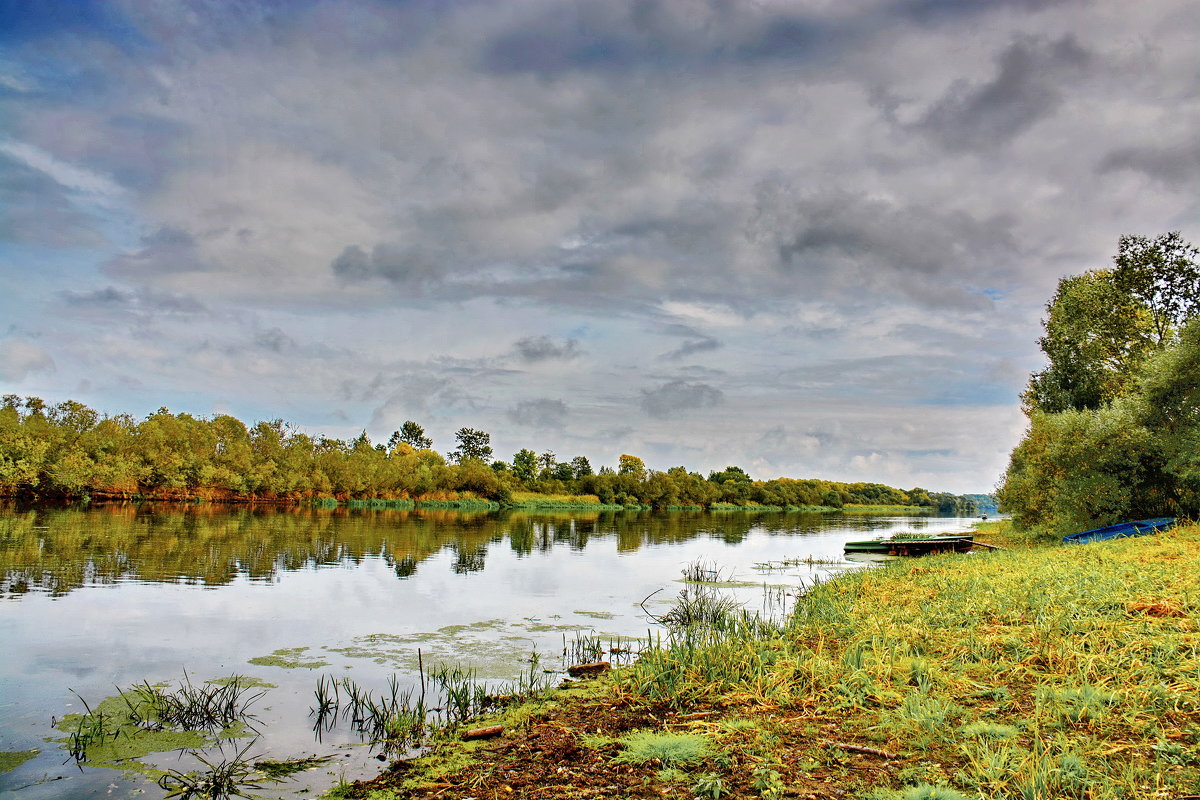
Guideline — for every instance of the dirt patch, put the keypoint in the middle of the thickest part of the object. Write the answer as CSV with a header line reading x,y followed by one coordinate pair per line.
x,y
569,753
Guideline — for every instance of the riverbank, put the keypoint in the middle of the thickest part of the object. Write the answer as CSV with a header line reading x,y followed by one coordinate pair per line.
x,y
1036,671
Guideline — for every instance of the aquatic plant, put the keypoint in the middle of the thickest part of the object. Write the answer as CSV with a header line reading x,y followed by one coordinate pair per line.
x,y
229,777
210,707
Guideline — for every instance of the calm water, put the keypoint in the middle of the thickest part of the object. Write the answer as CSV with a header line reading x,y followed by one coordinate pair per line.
x,y
112,596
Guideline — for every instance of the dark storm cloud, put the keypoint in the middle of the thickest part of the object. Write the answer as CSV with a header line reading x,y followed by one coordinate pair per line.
x,y
676,397
852,241
1176,165
1031,75
541,413
533,349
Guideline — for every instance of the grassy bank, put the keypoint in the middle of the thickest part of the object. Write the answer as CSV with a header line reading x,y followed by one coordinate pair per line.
x,y
1025,673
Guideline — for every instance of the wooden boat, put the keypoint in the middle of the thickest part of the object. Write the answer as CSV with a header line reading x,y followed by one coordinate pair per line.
x,y
913,546
1120,530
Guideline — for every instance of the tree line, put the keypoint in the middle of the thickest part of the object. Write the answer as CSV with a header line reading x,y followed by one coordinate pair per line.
x,y
71,451
1114,417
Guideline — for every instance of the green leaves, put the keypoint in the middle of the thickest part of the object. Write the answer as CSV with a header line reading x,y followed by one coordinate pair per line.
x,y
1115,416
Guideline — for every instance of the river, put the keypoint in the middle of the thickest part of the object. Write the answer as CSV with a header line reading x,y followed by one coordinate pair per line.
x,y
100,598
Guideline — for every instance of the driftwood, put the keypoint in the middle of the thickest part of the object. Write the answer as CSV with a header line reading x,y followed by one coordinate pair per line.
x,y
870,751
484,733
588,670
989,546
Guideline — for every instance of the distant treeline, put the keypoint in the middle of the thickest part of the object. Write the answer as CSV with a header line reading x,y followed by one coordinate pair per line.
x,y
70,451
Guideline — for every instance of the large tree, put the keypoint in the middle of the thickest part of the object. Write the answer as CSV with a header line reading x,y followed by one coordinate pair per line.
x,y
411,434
1102,325
1114,422
472,444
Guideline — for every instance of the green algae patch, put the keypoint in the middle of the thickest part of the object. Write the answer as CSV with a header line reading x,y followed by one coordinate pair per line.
x,y
246,682
596,614
11,759
109,736
288,658
496,649
482,625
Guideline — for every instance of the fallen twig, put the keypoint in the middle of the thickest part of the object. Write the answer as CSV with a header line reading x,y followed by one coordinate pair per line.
x,y
870,751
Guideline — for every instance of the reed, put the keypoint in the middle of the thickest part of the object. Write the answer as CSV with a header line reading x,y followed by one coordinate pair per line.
x,y
229,777
208,707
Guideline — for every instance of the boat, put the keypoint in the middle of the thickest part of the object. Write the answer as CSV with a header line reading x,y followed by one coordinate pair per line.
x,y
1121,530
914,546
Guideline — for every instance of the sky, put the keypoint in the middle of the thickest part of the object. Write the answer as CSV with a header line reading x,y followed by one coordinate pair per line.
x,y
812,239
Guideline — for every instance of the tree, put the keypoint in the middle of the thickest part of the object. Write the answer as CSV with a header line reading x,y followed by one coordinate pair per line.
x,y
632,466
580,467
548,460
1102,325
1164,275
1114,430
472,444
525,464
736,474
411,434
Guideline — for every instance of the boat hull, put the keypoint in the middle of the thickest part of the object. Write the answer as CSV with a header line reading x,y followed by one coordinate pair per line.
x,y
1120,531
913,547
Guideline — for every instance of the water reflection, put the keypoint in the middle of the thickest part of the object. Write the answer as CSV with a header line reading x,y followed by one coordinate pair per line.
x,y
57,550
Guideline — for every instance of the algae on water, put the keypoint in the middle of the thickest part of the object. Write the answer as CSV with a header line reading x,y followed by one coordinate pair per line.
x,y
10,759
288,658
245,681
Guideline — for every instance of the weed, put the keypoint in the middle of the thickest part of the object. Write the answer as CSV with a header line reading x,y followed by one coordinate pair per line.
x,y
711,786
1081,704
668,749
989,730
768,783
927,792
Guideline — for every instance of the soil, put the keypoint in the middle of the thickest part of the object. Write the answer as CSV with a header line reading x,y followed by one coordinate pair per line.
x,y
548,760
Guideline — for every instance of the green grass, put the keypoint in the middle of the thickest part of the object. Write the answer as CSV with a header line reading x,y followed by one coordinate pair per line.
x,y
1034,673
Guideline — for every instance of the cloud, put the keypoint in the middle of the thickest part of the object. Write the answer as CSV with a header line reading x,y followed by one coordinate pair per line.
x,y
274,340
702,344
414,269
167,251
534,349
838,242
20,358
1026,88
542,413
98,187
35,209
445,211
675,397
1175,165
111,298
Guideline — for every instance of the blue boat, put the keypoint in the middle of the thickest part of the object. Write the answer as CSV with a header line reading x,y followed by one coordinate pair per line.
x,y
1120,530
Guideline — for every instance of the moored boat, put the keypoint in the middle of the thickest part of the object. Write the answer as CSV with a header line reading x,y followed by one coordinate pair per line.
x,y
913,546
1121,530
